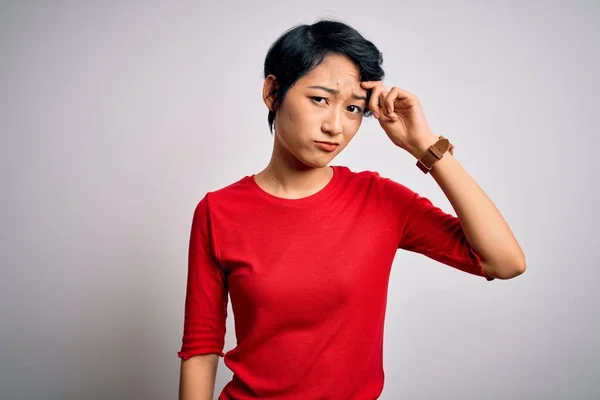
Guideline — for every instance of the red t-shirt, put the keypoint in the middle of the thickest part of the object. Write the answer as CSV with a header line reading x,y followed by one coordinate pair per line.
x,y
308,281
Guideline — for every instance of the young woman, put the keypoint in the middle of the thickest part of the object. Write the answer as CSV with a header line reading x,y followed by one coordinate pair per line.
x,y
304,250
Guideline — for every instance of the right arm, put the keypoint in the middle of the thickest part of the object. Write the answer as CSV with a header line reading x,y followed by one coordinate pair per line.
x,y
197,377
205,311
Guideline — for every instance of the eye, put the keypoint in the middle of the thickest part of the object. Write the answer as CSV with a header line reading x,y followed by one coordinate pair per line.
x,y
358,109
317,99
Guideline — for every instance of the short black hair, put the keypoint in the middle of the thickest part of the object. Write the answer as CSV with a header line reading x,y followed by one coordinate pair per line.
x,y
302,48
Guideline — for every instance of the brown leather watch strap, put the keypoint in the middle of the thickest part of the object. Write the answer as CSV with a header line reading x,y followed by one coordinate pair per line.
x,y
434,153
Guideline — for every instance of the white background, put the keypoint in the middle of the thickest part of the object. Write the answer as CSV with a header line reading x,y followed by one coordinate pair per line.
x,y
116,117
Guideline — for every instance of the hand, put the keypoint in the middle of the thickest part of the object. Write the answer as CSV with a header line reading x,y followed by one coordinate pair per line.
x,y
401,116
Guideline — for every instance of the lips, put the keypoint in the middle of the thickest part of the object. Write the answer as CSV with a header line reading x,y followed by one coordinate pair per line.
x,y
327,146
333,143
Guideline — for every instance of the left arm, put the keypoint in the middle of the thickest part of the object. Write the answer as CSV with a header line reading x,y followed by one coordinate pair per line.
x,y
484,227
401,116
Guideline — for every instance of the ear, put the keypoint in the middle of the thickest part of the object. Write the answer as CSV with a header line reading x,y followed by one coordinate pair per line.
x,y
270,88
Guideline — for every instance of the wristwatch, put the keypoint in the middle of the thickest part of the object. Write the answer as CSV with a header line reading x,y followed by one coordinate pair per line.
x,y
434,153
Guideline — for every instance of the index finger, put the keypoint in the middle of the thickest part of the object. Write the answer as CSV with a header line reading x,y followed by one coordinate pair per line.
x,y
370,84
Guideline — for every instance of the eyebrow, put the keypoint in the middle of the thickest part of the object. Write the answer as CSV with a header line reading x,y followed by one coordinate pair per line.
x,y
336,92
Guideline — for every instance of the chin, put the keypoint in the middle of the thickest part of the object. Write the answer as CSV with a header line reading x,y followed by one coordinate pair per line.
x,y
320,162
312,162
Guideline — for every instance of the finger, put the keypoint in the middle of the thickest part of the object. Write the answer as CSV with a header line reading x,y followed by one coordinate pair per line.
x,y
390,99
406,97
374,102
376,88
370,84
382,96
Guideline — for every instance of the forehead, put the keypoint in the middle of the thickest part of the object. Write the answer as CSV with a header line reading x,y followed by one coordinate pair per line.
x,y
336,70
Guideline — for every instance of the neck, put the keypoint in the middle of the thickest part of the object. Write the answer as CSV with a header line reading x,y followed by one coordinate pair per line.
x,y
285,176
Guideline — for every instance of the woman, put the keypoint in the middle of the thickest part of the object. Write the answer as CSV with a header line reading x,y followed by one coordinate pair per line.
x,y
304,249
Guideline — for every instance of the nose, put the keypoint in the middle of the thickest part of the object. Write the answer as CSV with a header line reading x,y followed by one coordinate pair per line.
x,y
333,124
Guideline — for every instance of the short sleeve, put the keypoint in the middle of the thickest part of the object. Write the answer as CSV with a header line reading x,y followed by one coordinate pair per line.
x,y
206,294
423,228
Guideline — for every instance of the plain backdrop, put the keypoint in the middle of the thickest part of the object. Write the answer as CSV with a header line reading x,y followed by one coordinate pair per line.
x,y
116,117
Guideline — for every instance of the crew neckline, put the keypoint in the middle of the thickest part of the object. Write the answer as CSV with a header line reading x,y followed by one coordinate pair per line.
x,y
300,201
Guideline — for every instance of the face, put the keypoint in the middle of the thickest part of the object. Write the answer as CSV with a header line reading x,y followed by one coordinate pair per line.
x,y
326,104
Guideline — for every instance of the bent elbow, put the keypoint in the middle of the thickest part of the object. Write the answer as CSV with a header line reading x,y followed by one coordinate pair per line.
x,y
520,266
506,270
511,271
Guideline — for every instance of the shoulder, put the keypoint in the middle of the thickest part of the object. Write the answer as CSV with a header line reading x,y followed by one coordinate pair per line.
x,y
232,190
349,176
383,184
227,196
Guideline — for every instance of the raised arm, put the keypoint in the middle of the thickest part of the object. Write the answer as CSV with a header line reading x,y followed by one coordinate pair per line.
x,y
401,116
484,227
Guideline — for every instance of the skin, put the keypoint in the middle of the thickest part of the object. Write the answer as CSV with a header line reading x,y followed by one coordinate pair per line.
x,y
298,167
